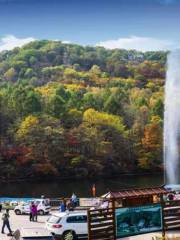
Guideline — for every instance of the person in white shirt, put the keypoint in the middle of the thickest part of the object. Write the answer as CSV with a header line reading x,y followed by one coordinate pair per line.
x,y
104,204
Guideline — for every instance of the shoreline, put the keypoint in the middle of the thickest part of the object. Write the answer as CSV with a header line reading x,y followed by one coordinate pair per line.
x,y
94,179
53,188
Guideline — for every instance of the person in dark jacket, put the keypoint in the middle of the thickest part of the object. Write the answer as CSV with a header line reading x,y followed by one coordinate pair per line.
x,y
30,213
5,218
0,206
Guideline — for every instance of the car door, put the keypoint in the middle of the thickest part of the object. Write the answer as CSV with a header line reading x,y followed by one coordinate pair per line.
x,y
70,224
26,209
81,224
78,223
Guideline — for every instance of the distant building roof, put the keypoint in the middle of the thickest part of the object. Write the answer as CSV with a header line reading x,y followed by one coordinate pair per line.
x,y
138,192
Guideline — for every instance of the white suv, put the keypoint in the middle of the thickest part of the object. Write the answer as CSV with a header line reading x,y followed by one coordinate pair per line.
x,y
43,207
68,225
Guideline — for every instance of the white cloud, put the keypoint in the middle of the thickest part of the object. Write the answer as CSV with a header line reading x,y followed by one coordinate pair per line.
x,y
9,42
66,42
140,44
167,2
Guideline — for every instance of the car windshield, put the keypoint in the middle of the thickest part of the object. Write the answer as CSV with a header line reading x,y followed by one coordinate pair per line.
x,y
24,204
46,202
54,219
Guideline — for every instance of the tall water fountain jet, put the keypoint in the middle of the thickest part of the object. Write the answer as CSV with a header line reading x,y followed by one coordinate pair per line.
x,y
172,120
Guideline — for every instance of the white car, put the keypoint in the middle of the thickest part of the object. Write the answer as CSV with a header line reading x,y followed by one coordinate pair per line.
x,y
43,207
68,225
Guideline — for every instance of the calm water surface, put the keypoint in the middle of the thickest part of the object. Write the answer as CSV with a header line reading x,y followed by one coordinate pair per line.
x,y
81,187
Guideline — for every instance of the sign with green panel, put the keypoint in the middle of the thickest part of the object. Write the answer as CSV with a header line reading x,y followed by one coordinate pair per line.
x,y
138,220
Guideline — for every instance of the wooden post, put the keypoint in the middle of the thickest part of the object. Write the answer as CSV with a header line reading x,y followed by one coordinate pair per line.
x,y
163,222
89,227
114,216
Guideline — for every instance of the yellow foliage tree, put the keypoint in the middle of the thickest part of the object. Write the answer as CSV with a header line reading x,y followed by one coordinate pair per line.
x,y
94,117
26,125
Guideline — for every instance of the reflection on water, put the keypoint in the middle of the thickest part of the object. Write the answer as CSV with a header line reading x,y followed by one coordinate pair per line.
x,y
81,187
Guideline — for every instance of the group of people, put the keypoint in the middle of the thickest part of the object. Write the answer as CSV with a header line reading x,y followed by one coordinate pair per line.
x,y
33,212
69,205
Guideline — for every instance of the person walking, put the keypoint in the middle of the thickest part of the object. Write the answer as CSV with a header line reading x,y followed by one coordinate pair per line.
x,y
5,218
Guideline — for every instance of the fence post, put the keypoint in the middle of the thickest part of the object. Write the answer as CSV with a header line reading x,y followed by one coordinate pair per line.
x,y
163,222
89,227
114,217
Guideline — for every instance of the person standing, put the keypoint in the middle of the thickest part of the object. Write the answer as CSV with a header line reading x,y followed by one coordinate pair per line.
x,y
94,190
74,200
62,206
34,212
5,218
0,206
105,204
31,212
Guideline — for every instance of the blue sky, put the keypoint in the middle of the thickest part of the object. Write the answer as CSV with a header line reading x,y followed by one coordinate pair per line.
x,y
140,24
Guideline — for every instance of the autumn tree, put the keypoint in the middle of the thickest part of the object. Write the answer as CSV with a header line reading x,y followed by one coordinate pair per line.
x,y
151,154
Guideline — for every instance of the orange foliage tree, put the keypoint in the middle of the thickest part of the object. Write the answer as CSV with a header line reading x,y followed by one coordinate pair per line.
x,y
151,152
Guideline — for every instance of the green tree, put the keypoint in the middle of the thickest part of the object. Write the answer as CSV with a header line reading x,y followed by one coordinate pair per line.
x,y
10,75
56,106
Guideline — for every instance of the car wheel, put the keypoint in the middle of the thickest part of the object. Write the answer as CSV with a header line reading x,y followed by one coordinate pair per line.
x,y
41,212
17,212
69,235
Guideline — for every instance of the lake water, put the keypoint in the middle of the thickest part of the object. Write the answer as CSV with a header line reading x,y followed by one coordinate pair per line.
x,y
82,188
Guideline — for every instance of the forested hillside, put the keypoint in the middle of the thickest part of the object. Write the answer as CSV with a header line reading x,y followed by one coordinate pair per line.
x,y
73,111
